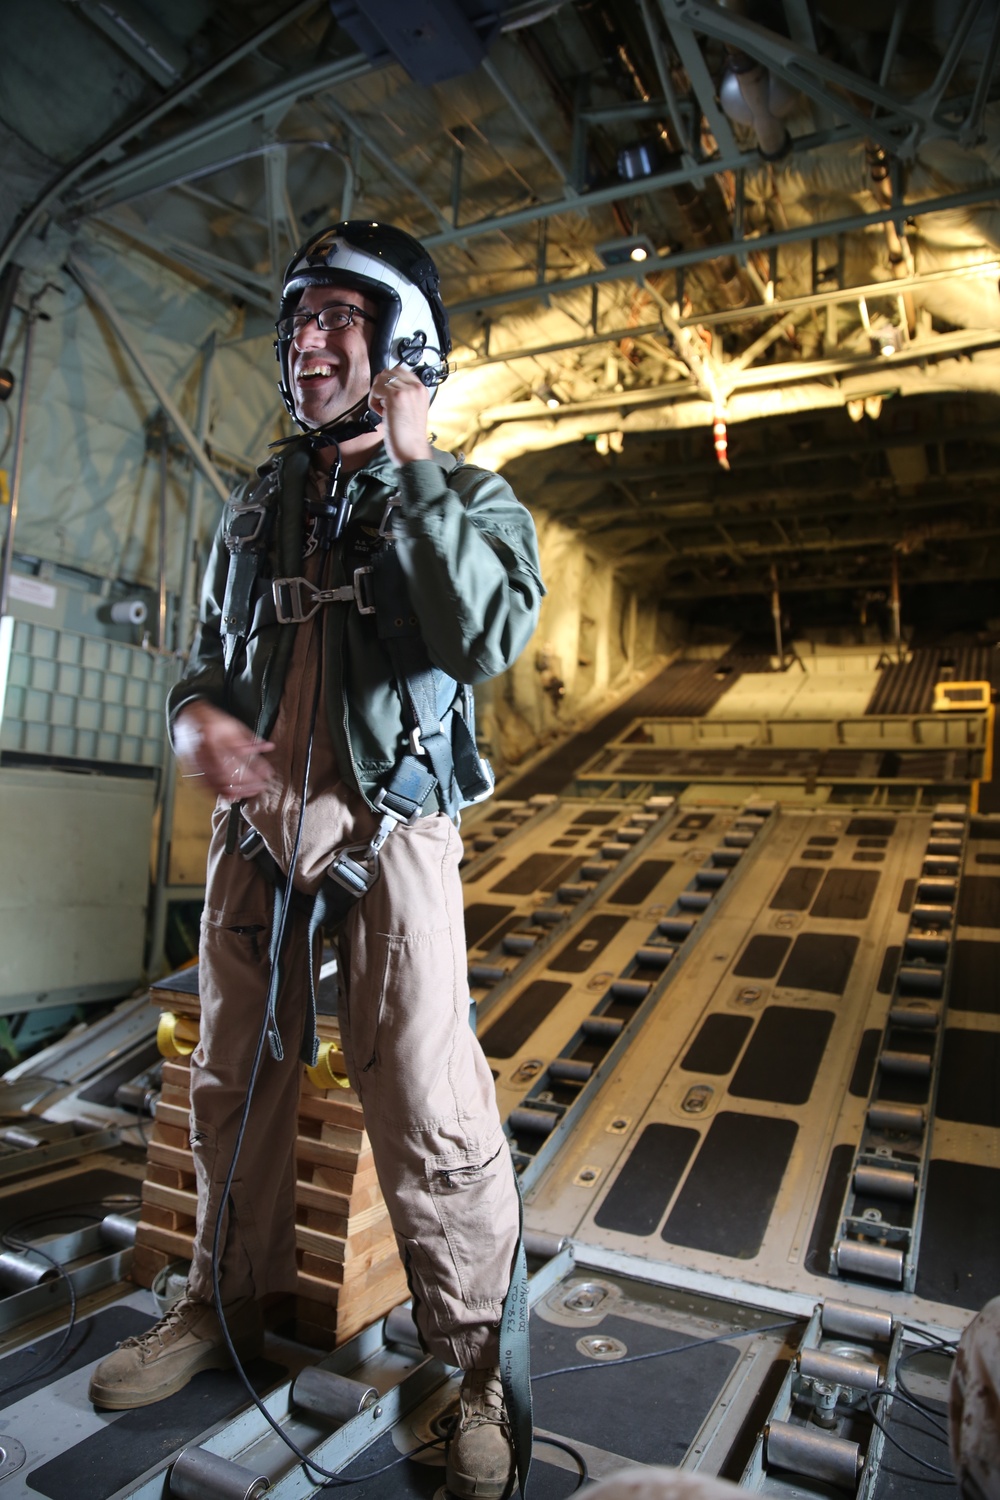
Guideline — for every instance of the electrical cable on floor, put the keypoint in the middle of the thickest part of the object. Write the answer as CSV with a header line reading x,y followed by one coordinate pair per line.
x,y
8,1238
574,1453
56,1355
870,1398
634,1359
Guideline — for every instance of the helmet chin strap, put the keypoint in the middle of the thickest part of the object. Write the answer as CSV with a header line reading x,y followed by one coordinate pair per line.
x,y
340,430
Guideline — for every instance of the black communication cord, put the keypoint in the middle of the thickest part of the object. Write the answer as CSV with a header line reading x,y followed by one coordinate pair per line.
x,y
872,1396
634,1359
9,1238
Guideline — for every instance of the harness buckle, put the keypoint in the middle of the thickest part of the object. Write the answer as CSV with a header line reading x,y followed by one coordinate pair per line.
x,y
296,600
389,814
416,740
293,595
394,502
239,541
364,592
355,869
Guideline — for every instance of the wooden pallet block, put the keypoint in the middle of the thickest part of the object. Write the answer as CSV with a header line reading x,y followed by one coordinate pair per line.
x,y
349,1271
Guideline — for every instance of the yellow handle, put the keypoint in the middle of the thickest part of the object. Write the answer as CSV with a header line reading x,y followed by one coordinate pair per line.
x,y
176,1036
329,1072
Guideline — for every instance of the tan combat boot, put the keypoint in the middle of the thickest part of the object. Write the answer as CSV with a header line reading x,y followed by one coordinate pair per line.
x,y
158,1363
480,1462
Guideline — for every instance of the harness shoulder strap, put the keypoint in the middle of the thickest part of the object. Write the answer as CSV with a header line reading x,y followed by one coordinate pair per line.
x,y
247,535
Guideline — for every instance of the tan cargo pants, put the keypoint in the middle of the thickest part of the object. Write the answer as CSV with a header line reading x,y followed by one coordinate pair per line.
x,y
424,1084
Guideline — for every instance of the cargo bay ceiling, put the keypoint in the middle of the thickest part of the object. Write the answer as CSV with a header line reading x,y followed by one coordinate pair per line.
x,y
723,277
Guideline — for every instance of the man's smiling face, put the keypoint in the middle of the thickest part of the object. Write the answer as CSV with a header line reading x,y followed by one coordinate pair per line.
x,y
330,370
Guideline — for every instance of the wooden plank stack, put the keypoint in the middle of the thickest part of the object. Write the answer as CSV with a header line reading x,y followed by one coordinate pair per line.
x,y
349,1271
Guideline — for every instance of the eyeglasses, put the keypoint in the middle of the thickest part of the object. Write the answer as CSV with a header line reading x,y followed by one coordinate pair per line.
x,y
330,319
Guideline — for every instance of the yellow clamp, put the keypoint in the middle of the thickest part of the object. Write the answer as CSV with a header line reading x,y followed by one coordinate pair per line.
x,y
176,1036
330,1071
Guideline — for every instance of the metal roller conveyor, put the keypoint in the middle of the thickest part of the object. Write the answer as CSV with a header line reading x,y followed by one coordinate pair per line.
x,y
912,1064
838,1369
569,1070
863,1258
907,1065
814,1455
654,958
922,946
727,857
537,1121
22,1270
118,1230
677,928
399,1329
909,1119
939,890
601,1028
694,900
914,1017
335,1398
519,942
480,974
543,1246
574,891
850,1321
630,990
885,1182
929,914
920,979
198,1474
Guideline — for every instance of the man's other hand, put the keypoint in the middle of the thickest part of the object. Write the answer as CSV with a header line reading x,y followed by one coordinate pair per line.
x,y
402,400
212,744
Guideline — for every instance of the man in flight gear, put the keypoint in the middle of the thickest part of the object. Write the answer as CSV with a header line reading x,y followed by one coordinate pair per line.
x,y
358,586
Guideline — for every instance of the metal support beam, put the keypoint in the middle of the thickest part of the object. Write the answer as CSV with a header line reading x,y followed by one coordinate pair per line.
x,y
382,158
702,82
17,459
233,133
518,109
85,277
666,82
112,145
791,372
240,281
990,192
893,121
972,128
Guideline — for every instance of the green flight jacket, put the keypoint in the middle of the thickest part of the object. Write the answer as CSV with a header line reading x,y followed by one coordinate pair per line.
x,y
469,557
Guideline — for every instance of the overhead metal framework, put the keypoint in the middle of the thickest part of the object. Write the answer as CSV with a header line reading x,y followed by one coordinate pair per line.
x,y
846,256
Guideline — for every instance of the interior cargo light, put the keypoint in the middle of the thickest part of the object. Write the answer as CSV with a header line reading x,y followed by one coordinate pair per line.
x,y
634,247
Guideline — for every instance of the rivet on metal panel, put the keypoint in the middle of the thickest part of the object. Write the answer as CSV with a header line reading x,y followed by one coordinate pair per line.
x,y
586,1177
529,1069
620,1125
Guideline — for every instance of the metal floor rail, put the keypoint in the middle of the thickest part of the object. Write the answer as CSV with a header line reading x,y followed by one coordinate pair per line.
x,y
880,1221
